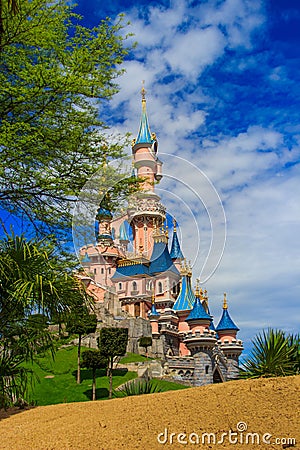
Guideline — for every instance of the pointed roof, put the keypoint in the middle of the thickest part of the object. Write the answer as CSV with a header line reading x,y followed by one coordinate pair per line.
x,y
153,311
160,260
144,134
198,312
103,213
175,252
226,323
186,297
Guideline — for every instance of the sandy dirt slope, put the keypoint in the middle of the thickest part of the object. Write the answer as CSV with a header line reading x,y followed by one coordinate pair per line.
x,y
266,407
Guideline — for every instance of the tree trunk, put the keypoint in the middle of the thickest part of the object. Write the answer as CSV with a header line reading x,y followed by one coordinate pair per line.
x,y
94,385
78,359
111,363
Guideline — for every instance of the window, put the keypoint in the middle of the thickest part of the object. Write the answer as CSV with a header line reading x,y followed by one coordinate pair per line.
x,y
134,286
160,289
206,370
95,271
109,270
174,290
102,270
120,286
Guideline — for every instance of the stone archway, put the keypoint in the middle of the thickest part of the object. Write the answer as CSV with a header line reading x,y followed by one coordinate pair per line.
x,y
217,376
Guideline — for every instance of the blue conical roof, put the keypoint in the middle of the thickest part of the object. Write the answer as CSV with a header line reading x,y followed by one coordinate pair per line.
x,y
226,323
198,311
153,311
160,260
186,297
144,134
103,213
176,252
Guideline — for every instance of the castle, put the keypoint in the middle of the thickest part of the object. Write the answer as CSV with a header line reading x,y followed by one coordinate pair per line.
x,y
153,282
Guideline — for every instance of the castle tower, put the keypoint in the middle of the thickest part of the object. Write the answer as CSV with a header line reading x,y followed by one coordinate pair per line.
x,y
183,305
231,347
145,210
176,253
104,217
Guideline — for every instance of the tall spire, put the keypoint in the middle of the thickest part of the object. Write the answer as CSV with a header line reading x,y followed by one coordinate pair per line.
x,y
144,134
175,252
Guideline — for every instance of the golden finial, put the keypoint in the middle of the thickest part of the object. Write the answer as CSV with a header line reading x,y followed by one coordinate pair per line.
x,y
143,91
197,290
153,297
174,225
167,230
225,306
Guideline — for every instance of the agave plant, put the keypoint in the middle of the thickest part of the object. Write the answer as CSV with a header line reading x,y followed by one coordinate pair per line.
x,y
274,354
137,387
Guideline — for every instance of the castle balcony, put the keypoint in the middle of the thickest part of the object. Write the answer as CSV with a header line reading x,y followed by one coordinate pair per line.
x,y
146,207
234,347
207,339
168,328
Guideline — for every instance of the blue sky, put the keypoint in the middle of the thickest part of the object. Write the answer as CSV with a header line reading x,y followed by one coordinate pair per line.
x,y
223,93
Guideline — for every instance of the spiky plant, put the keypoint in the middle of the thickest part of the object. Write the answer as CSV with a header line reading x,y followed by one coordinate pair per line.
x,y
137,387
274,354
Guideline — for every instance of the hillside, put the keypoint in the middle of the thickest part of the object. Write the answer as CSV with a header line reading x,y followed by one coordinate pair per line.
x,y
267,406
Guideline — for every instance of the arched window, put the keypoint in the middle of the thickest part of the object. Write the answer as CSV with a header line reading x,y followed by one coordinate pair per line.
x,y
102,270
149,285
120,286
134,286
159,287
174,290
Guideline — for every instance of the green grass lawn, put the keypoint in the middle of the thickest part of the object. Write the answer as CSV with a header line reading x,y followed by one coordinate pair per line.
x,y
132,358
62,386
55,380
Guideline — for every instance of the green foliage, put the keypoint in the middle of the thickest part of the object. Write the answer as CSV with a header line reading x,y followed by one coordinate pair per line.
x,y
137,387
81,322
113,341
92,359
31,279
274,354
145,342
54,75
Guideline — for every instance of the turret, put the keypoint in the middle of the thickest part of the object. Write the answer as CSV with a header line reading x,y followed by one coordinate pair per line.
x,y
153,316
104,217
198,319
231,347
